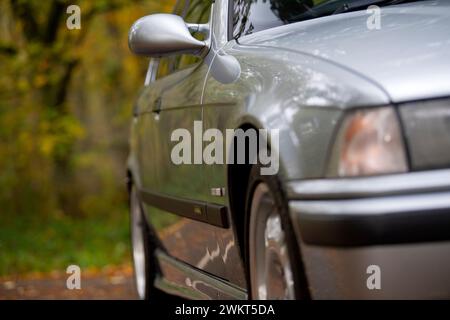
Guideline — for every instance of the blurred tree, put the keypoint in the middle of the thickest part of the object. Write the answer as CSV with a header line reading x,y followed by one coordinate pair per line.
x,y
65,101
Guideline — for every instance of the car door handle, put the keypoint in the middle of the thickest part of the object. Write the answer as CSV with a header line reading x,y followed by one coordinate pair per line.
x,y
157,105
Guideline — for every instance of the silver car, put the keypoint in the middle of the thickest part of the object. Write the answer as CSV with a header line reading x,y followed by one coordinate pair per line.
x,y
358,93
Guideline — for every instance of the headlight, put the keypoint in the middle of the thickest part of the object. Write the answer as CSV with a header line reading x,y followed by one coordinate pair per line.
x,y
369,143
426,125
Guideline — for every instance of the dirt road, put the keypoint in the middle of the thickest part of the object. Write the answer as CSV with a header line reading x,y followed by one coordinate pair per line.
x,y
109,283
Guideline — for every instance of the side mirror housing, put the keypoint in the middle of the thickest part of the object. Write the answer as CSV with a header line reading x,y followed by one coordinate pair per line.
x,y
160,35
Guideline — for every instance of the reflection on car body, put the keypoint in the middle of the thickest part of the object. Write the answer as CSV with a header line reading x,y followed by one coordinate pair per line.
x,y
364,178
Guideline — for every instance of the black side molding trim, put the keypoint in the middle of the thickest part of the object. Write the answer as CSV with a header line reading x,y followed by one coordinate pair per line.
x,y
213,214
356,231
373,221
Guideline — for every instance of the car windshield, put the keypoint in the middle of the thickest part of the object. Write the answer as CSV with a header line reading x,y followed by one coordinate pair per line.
x,y
297,10
255,15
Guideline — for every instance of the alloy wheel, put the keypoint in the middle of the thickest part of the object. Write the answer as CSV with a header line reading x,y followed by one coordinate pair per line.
x,y
138,245
270,266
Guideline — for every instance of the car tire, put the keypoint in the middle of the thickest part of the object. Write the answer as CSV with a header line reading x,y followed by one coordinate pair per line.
x,y
275,269
143,249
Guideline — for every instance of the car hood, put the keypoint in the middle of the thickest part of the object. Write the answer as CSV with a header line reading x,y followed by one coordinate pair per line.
x,y
409,56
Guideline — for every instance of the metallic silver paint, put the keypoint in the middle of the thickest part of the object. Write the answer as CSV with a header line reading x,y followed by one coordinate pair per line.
x,y
412,183
408,271
160,35
193,284
413,36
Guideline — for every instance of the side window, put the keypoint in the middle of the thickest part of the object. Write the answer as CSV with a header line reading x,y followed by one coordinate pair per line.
x,y
192,11
165,67
250,16
199,12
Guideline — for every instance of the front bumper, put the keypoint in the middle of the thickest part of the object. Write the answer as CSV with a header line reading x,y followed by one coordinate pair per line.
x,y
400,223
403,208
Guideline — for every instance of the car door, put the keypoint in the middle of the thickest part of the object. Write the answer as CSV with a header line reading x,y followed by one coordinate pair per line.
x,y
175,195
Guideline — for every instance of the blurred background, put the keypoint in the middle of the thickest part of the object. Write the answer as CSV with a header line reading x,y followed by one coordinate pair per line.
x,y
66,99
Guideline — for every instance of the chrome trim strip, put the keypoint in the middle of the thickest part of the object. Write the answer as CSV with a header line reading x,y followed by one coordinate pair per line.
x,y
361,187
374,206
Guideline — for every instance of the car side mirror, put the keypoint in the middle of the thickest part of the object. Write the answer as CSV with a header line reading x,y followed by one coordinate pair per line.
x,y
160,35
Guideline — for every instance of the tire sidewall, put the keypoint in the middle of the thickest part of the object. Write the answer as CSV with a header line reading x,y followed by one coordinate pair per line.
x,y
280,202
